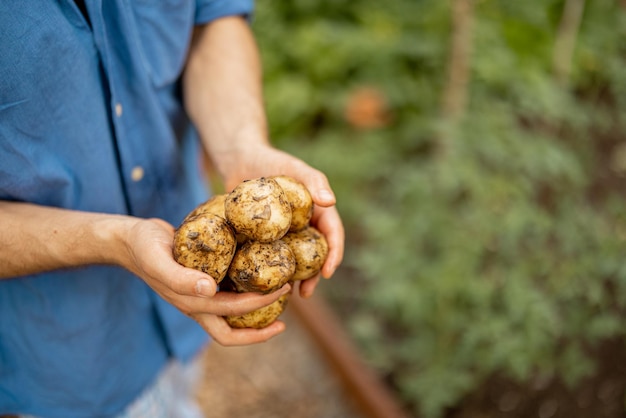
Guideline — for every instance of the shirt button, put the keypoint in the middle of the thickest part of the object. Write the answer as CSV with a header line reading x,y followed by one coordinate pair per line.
x,y
118,109
137,173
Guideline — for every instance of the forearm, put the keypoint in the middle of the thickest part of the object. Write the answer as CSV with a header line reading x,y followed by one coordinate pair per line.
x,y
224,98
223,90
36,239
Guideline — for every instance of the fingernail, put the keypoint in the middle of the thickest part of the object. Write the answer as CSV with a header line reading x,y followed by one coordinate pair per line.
x,y
286,288
326,196
204,288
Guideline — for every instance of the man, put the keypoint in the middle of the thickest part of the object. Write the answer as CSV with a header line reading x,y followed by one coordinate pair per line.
x,y
101,105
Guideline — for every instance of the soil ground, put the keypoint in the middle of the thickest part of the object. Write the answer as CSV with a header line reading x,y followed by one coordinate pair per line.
x,y
285,377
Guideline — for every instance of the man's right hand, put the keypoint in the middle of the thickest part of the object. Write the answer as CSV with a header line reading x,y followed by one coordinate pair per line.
x,y
37,239
149,255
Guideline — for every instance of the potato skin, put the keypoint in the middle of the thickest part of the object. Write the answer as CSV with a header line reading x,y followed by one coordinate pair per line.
x,y
310,249
207,243
259,210
259,318
262,266
215,205
300,200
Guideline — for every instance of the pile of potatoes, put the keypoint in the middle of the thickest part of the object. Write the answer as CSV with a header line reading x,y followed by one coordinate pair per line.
x,y
256,238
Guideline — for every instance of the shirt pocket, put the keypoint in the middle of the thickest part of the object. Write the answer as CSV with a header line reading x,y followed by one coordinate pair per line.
x,y
164,30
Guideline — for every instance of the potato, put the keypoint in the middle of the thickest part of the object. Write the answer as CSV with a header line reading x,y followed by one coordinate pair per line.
x,y
262,266
207,243
256,238
215,205
259,210
259,318
300,200
310,250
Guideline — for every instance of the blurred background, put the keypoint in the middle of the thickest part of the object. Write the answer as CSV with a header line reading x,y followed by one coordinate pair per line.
x,y
478,153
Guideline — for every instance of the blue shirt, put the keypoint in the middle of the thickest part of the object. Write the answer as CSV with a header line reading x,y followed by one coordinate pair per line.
x,y
91,119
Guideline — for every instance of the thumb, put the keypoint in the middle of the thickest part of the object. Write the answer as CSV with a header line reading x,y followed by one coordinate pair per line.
x,y
319,187
187,281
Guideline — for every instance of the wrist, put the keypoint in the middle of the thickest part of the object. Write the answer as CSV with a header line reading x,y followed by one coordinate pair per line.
x,y
234,160
109,235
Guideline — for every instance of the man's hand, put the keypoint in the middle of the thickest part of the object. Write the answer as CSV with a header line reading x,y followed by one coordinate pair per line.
x,y
223,96
37,239
264,160
149,255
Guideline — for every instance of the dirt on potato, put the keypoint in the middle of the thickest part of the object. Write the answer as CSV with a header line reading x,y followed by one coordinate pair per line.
x,y
259,210
207,243
310,250
262,267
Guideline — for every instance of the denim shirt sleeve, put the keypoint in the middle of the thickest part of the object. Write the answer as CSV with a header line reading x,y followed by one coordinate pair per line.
x,y
207,10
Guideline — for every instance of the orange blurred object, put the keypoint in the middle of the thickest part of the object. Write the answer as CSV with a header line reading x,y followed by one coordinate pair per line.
x,y
366,108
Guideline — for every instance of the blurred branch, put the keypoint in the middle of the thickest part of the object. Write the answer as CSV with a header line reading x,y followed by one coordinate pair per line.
x,y
455,93
566,39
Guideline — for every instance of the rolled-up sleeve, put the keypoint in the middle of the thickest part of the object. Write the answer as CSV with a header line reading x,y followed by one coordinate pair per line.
x,y
208,10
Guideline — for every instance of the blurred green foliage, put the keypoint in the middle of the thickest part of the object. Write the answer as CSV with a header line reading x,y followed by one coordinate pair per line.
x,y
505,253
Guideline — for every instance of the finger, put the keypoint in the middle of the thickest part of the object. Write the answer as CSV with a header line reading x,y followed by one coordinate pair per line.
x,y
307,287
182,280
224,335
328,222
319,187
163,272
314,180
231,303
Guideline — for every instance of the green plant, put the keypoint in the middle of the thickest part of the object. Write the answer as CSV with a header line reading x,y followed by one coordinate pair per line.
x,y
500,252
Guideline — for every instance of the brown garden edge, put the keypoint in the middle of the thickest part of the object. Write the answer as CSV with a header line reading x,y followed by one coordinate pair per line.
x,y
373,397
